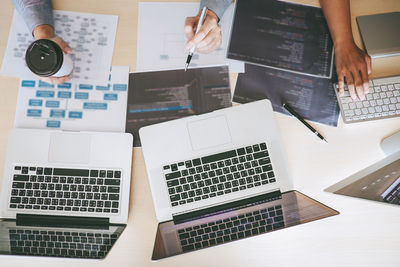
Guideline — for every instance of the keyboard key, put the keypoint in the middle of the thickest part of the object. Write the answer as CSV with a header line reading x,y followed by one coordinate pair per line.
x,y
219,156
48,171
21,177
71,172
25,170
261,154
174,167
111,182
94,173
173,175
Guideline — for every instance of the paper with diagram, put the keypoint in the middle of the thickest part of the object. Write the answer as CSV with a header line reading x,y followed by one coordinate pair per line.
x,y
75,106
91,37
161,38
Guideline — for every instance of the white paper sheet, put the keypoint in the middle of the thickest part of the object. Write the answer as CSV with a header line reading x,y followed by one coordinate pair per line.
x,y
161,38
74,106
91,37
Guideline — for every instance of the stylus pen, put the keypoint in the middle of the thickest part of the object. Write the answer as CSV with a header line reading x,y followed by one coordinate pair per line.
x,y
201,20
294,113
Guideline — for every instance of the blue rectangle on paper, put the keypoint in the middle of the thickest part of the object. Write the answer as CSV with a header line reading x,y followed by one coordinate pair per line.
x,y
110,96
64,94
53,124
120,87
159,109
103,88
65,86
52,104
81,95
44,93
35,102
34,113
26,83
75,115
85,86
94,105
57,113
43,84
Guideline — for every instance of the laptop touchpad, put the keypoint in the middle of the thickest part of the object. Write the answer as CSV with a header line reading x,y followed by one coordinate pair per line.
x,y
209,132
69,148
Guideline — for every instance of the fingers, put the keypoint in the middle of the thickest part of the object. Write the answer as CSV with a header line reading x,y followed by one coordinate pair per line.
x,y
358,83
369,63
364,77
55,80
350,85
189,27
64,46
211,41
341,82
209,24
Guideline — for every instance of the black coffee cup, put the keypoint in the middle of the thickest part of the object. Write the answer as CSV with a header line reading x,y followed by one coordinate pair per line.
x,y
45,58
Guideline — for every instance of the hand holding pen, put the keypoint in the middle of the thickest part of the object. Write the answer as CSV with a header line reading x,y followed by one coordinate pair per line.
x,y
205,38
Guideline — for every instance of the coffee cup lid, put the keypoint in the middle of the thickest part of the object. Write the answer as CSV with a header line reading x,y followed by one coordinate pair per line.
x,y
44,57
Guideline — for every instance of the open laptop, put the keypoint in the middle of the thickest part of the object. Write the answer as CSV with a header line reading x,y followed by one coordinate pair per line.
x,y
380,34
70,184
212,164
379,182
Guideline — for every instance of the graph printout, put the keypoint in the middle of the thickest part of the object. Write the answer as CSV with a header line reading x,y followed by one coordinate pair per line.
x,y
74,106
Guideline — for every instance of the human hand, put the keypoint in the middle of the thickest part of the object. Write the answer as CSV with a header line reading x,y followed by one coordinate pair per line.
x,y
45,31
209,36
353,64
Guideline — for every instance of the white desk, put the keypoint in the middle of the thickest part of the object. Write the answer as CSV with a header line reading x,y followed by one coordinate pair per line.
x,y
364,234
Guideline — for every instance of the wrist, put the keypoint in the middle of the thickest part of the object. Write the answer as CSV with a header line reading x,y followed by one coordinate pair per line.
x,y
343,44
44,31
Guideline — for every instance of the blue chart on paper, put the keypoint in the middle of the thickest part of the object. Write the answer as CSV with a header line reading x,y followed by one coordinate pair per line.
x,y
74,106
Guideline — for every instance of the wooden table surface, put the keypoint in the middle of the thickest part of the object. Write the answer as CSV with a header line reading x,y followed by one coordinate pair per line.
x,y
364,234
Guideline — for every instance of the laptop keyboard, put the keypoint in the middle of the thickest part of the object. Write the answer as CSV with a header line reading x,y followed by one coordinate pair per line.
x,y
394,196
230,229
60,243
76,190
382,101
218,174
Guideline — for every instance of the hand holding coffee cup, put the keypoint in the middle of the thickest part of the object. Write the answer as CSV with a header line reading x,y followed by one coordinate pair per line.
x,y
48,57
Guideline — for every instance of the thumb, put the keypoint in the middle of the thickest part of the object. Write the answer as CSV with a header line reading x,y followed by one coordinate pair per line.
x,y
64,45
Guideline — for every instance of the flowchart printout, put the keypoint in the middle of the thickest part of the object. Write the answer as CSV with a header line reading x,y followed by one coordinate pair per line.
x,y
312,97
161,38
282,35
91,37
158,96
75,106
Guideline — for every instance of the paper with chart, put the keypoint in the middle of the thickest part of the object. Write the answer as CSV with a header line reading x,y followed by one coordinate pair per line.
x,y
161,38
91,37
75,106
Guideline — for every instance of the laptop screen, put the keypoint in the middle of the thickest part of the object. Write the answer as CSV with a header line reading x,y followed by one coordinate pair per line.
x,y
292,209
380,182
87,243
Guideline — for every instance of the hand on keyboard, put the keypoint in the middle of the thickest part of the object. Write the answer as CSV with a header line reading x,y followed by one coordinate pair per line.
x,y
354,65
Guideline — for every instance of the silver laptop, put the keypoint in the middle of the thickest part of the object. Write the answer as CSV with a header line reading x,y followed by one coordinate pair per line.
x,y
380,33
379,182
66,179
210,164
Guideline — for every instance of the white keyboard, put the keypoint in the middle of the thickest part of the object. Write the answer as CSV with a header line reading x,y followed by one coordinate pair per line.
x,y
382,101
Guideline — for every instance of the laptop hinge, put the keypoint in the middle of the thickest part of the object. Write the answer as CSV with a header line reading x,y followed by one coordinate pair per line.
x,y
62,221
234,205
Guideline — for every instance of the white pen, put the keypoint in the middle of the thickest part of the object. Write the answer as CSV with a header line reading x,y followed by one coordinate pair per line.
x,y
201,20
